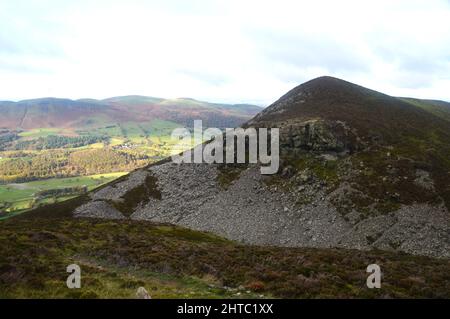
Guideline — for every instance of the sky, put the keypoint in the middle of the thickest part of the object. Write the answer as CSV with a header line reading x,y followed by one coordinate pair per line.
x,y
234,51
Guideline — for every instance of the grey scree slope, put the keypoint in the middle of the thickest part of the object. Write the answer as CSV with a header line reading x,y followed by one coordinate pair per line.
x,y
252,212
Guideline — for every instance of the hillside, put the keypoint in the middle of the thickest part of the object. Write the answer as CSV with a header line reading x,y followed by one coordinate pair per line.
x,y
118,257
90,113
438,108
360,170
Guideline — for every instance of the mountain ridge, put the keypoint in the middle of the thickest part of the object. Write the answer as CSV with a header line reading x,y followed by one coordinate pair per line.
x,y
67,113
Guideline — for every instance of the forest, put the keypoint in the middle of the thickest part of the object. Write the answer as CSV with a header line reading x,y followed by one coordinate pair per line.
x,y
63,163
55,141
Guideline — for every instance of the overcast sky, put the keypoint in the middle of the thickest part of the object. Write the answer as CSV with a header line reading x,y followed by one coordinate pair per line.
x,y
222,51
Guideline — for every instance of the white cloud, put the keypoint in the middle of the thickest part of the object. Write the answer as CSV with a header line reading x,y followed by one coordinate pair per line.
x,y
231,51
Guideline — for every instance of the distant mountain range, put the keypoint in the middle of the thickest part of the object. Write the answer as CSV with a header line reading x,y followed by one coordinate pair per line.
x,y
90,113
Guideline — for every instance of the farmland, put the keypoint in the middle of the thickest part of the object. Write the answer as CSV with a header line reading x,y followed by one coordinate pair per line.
x,y
22,196
62,163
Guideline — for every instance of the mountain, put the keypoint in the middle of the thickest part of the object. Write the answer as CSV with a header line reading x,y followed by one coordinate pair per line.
x,y
359,169
90,113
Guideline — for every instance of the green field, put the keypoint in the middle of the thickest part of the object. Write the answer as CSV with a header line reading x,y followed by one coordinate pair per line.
x,y
42,132
20,196
18,191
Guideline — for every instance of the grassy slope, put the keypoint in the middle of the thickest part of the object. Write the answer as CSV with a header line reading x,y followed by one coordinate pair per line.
x,y
422,142
117,257
400,136
22,194
439,108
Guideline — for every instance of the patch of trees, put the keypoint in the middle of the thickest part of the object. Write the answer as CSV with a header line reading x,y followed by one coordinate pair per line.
x,y
57,141
66,191
98,161
3,207
65,163
42,166
6,138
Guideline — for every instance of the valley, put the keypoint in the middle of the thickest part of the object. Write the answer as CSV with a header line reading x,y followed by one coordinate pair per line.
x,y
55,158
89,142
